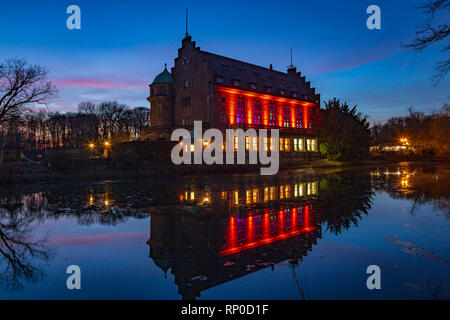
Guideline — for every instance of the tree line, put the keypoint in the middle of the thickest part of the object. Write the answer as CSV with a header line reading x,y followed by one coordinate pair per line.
x,y
427,131
91,124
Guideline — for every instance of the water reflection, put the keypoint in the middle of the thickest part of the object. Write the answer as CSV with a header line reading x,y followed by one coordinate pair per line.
x,y
251,227
207,231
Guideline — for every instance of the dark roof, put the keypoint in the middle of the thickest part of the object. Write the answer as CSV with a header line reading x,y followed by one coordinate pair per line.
x,y
253,77
163,77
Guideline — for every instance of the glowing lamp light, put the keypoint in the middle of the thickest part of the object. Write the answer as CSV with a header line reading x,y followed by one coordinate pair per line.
x,y
107,144
91,146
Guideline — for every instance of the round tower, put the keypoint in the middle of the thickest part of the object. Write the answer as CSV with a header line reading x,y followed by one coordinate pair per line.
x,y
161,100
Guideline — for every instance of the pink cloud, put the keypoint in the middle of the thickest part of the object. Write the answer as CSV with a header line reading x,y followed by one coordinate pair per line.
x,y
98,238
101,83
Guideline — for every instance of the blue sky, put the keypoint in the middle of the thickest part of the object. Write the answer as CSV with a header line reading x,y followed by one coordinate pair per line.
x,y
123,45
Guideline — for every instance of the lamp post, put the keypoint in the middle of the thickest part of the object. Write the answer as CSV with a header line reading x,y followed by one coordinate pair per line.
x,y
106,151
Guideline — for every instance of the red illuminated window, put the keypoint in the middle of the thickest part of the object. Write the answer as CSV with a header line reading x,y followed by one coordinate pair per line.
x,y
272,116
285,117
257,116
298,118
309,119
240,111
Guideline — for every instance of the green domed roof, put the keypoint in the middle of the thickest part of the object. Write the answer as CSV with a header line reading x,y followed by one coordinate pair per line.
x,y
163,77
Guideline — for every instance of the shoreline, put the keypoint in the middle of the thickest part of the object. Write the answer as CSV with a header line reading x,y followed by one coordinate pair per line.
x,y
24,174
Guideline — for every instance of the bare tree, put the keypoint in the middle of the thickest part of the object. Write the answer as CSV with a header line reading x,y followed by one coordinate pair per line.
x,y
430,33
22,84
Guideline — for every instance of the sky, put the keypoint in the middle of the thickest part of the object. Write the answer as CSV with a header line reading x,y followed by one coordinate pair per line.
x,y
123,45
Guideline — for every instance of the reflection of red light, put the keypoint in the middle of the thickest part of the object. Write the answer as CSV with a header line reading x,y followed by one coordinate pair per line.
x,y
307,216
264,241
250,228
232,232
294,218
281,221
268,235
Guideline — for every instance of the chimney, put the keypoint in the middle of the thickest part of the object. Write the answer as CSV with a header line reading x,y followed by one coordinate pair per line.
x,y
271,68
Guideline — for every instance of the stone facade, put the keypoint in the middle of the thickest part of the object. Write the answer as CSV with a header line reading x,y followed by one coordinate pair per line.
x,y
227,93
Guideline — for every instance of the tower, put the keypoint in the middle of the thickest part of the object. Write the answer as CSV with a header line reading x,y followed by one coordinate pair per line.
x,y
161,100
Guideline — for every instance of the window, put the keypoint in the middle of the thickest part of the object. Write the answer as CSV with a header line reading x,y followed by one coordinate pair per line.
x,y
268,89
272,116
236,143
267,144
255,143
219,79
282,92
281,144
298,144
314,145
240,111
287,144
286,117
252,86
247,143
159,108
257,116
236,82
298,117
223,117
308,145
186,102
186,83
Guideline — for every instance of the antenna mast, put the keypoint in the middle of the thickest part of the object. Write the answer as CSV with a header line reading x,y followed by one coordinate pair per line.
x,y
187,22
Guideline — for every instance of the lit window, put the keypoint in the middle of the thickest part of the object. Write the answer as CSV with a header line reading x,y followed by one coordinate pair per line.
x,y
255,144
281,144
257,116
281,192
272,116
248,198
286,117
295,144
314,145
236,143
298,118
240,112
287,144
308,145
247,143
255,195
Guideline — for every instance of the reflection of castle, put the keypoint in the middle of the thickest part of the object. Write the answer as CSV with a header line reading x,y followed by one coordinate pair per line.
x,y
205,250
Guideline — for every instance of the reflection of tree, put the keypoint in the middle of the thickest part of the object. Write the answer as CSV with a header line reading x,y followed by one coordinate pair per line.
x,y
21,257
343,199
427,184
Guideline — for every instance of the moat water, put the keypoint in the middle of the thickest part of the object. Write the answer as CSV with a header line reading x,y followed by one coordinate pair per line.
x,y
298,235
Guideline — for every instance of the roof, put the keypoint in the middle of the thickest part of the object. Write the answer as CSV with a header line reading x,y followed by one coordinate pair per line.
x,y
251,77
163,77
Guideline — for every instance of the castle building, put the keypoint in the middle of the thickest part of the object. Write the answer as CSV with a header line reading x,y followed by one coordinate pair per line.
x,y
225,93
